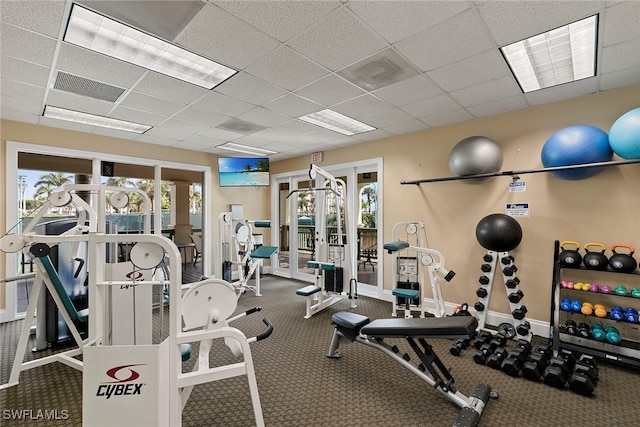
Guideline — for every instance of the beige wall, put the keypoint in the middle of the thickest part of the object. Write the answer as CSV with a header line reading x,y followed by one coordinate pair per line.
x,y
602,208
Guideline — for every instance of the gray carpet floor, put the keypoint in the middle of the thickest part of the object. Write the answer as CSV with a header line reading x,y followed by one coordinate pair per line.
x,y
300,386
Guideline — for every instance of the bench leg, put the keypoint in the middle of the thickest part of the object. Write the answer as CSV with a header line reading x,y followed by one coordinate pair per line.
x,y
335,343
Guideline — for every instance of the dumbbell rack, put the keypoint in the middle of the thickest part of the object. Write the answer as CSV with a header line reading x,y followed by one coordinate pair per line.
x,y
520,325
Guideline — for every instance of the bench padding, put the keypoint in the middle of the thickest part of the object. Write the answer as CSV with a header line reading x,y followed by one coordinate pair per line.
x,y
405,293
264,252
308,290
348,320
395,246
417,327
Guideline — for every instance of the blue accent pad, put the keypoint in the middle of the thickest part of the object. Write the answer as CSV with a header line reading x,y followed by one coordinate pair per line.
x,y
348,320
406,293
395,246
185,351
308,290
262,224
264,252
327,266
62,293
313,264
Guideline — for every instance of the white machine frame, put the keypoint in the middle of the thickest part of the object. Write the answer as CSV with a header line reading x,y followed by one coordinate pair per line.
x,y
410,245
152,372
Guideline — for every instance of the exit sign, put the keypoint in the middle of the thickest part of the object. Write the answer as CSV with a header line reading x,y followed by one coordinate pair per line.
x,y
316,157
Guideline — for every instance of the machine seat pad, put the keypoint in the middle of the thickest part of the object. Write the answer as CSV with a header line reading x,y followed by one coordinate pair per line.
x,y
395,246
264,252
308,290
406,293
443,327
348,320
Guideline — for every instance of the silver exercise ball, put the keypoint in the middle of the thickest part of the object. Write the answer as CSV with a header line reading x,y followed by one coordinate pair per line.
x,y
474,155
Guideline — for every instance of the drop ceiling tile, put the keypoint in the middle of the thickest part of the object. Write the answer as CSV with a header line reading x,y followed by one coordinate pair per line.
x,y
622,23
22,44
74,102
448,118
228,41
222,104
564,91
20,105
114,133
166,87
517,102
388,118
486,66
458,38
321,135
44,17
338,40
293,106
136,116
201,117
330,90
620,79
22,90
363,106
158,140
482,93
23,71
396,20
409,91
286,131
220,134
18,116
286,68
249,88
621,56
253,141
280,19
373,135
263,117
63,124
140,101
430,107
176,129
201,142
511,21
95,66
406,127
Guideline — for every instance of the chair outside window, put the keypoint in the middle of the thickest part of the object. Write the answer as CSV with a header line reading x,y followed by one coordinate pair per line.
x,y
197,249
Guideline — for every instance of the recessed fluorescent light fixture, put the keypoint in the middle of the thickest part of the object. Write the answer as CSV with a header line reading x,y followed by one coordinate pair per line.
x,y
104,35
230,146
562,55
93,120
336,122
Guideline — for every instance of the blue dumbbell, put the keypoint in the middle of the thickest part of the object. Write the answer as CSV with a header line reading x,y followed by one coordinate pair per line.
x,y
616,313
631,315
565,304
612,335
576,306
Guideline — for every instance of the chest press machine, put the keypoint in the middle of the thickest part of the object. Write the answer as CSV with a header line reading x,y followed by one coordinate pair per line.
x,y
352,327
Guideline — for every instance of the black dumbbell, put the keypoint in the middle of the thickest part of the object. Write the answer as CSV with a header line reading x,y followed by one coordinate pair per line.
x,y
478,306
515,297
534,367
510,270
495,360
519,312
481,292
585,375
499,340
584,330
460,344
484,280
482,338
485,268
516,358
507,260
559,369
512,283
523,328
480,356
571,327
487,257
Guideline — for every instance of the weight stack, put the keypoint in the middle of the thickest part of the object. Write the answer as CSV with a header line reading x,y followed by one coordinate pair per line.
x,y
334,280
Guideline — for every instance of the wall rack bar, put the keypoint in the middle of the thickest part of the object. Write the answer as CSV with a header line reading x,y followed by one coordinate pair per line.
x,y
515,173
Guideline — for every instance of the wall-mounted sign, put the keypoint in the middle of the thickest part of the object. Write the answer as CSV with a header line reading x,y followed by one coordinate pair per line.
x,y
517,187
316,157
517,209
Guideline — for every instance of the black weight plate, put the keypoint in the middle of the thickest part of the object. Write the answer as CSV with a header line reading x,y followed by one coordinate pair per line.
x,y
507,329
40,249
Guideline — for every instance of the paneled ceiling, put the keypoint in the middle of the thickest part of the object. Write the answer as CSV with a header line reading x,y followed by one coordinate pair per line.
x,y
298,57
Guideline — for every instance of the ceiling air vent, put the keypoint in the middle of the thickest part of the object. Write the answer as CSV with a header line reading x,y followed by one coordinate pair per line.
x,y
240,126
85,87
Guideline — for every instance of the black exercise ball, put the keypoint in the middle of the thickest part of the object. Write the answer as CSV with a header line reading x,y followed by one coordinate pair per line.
x,y
499,232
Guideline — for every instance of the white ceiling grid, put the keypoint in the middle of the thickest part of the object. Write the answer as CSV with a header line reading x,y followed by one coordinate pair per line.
x,y
289,55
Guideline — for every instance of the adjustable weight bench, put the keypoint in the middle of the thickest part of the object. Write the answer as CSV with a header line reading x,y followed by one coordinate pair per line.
x,y
351,327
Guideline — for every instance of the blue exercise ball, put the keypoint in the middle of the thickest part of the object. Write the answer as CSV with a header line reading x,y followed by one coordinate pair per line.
x,y
475,155
624,135
575,145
